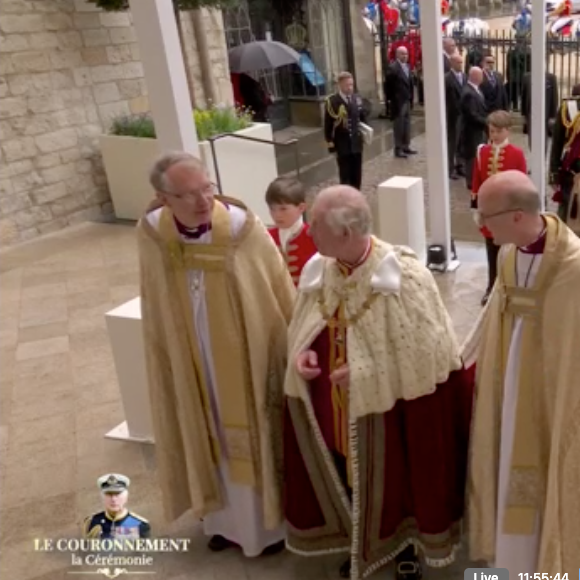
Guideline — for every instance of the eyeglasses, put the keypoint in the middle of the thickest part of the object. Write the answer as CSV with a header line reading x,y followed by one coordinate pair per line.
x,y
206,190
482,218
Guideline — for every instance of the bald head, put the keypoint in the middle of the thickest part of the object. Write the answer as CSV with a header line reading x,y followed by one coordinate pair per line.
x,y
475,75
402,54
509,206
510,190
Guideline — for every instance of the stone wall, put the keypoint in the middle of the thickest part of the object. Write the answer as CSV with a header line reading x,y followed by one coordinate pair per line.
x,y
67,70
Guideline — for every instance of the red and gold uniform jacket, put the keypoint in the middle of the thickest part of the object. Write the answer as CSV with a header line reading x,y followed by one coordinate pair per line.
x,y
299,249
492,159
563,9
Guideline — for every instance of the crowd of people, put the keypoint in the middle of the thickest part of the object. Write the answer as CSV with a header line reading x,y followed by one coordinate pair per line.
x,y
308,390
478,123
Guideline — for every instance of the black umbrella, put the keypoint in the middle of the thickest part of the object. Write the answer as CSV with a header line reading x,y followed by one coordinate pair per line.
x,y
261,55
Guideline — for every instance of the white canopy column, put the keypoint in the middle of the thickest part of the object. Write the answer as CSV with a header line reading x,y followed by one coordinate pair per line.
x,y
538,128
162,58
436,128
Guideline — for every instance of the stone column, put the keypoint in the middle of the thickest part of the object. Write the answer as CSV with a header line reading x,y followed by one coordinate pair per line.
x,y
538,128
435,126
162,58
364,54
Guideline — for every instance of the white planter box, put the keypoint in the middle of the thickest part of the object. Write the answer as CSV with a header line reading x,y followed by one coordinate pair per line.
x,y
245,169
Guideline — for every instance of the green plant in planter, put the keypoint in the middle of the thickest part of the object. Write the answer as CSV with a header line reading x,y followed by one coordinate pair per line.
x,y
117,5
208,123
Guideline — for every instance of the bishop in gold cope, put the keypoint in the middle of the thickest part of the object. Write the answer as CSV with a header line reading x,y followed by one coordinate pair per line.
x,y
378,404
524,476
216,298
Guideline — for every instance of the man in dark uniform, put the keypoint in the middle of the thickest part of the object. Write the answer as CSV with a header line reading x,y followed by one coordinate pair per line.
x,y
519,62
565,160
454,82
115,521
343,115
473,121
399,90
492,87
552,101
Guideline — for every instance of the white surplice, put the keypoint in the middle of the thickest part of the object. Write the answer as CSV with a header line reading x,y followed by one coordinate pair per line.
x,y
519,554
241,520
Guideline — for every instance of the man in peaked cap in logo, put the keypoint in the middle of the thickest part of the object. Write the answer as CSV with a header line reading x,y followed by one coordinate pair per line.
x,y
115,521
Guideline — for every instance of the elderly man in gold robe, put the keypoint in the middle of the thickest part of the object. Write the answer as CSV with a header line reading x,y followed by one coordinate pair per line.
x,y
524,477
216,299
378,404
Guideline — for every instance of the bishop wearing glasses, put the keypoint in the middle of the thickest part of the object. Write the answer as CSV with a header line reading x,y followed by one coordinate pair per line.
x,y
216,298
524,476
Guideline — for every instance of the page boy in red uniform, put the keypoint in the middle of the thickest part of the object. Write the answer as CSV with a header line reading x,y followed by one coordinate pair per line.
x,y
286,199
498,155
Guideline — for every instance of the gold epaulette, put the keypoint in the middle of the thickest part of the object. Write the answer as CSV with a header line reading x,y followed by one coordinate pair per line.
x,y
137,516
94,532
329,108
572,125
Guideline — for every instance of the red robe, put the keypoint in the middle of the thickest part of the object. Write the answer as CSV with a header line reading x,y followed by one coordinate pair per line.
x,y
486,164
418,462
299,249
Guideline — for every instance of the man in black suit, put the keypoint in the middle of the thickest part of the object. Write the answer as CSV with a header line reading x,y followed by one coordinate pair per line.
x,y
493,87
552,102
473,120
454,82
449,49
342,117
399,85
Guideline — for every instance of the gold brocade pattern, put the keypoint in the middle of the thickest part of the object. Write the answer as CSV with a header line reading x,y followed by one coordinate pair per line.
x,y
228,357
258,290
551,483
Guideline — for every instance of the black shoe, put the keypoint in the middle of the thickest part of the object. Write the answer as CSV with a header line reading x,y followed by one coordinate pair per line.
x,y
219,544
409,151
409,570
344,569
485,297
274,548
400,154
454,176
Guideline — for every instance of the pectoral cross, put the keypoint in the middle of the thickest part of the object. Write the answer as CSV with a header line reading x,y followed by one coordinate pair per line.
x,y
195,284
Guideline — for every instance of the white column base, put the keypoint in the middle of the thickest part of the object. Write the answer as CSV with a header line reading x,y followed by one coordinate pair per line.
x,y
451,266
121,433
126,337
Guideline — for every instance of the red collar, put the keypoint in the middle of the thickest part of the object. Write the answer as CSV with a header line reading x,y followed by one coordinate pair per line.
x,y
348,269
537,246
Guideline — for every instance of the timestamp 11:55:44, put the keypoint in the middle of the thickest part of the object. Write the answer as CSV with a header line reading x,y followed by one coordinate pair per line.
x,y
544,576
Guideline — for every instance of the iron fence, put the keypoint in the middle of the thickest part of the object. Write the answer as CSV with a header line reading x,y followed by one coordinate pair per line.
x,y
512,55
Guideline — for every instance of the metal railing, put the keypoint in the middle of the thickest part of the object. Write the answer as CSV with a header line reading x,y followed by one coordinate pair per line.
x,y
212,140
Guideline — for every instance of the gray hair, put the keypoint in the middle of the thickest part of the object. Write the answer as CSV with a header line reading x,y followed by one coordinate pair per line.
x,y
354,217
157,175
